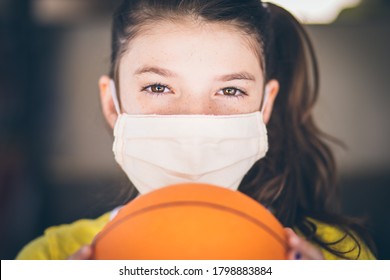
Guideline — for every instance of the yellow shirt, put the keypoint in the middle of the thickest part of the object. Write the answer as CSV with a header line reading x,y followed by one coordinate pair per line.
x,y
331,233
59,242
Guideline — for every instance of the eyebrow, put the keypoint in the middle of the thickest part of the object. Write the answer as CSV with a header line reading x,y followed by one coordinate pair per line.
x,y
168,73
156,70
237,76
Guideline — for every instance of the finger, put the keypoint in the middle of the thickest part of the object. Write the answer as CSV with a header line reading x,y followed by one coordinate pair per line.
x,y
85,253
292,245
299,248
308,251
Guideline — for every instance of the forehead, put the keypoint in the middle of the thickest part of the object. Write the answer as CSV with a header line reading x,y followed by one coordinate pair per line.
x,y
189,42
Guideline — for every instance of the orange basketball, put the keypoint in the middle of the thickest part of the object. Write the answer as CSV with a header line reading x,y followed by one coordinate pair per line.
x,y
192,222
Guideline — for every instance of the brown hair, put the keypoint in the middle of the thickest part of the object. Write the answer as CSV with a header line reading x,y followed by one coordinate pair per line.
x,y
297,178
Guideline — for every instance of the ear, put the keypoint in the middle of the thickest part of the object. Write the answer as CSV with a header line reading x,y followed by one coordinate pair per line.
x,y
272,88
107,102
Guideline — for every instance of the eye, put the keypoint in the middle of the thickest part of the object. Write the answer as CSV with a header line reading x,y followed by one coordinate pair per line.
x,y
157,89
231,92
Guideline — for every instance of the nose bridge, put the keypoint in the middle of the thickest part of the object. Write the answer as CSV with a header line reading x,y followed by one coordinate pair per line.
x,y
196,102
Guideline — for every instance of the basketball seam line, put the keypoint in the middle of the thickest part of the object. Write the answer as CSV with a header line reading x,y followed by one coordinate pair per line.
x,y
191,203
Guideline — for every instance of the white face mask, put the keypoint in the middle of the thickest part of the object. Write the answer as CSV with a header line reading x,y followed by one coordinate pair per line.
x,y
161,150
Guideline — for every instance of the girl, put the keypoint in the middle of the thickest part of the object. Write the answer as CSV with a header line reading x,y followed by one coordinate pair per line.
x,y
187,71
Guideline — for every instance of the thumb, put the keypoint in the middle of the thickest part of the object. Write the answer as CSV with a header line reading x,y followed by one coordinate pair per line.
x,y
85,253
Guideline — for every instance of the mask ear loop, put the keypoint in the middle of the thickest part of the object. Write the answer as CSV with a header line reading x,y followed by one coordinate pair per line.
x,y
114,97
265,99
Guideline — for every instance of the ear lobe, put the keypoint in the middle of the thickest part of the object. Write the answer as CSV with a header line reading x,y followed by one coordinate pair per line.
x,y
272,89
107,102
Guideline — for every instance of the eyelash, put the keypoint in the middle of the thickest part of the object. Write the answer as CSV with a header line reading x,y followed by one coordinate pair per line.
x,y
145,89
241,91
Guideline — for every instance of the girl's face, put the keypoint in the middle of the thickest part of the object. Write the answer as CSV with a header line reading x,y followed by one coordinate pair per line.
x,y
189,68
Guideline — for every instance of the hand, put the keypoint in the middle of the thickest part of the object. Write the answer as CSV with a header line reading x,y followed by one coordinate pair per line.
x,y
85,253
299,249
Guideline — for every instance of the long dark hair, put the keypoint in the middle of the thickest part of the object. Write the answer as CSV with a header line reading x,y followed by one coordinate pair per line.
x,y
297,178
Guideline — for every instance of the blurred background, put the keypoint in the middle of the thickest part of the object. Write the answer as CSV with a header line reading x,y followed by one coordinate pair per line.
x,y
56,163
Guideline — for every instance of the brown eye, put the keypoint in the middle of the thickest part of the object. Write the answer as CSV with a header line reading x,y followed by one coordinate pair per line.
x,y
157,88
229,91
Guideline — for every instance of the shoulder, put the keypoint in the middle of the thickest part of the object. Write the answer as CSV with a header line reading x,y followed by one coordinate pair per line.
x,y
339,240
59,242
